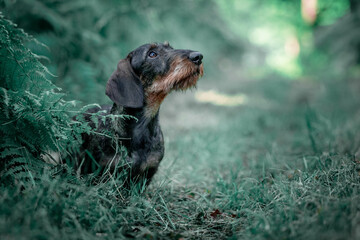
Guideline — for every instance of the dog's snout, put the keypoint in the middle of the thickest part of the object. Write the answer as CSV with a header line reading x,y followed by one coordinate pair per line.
x,y
196,57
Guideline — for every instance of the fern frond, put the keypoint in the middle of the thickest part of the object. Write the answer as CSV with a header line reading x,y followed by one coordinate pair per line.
x,y
36,119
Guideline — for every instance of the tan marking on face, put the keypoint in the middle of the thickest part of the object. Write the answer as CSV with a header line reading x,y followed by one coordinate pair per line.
x,y
183,74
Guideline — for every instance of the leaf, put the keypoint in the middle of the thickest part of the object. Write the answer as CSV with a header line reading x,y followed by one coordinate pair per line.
x,y
215,213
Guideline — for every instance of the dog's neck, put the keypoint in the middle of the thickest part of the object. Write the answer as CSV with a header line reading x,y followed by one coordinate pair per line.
x,y
153,102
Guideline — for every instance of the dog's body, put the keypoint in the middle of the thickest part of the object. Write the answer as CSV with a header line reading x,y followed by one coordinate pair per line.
x,y
137,87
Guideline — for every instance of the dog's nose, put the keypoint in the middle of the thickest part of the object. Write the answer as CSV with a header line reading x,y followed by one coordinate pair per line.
x,y
196,57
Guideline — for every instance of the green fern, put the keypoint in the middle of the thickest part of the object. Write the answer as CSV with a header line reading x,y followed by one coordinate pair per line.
x,y
35,117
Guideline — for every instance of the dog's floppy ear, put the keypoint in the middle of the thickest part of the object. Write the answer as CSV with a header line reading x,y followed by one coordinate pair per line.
x,y
124,86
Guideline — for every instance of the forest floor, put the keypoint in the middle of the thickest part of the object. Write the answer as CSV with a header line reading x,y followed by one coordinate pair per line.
x,y
284,163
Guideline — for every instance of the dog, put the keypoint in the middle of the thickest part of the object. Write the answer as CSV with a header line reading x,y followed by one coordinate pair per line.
x,y
137,88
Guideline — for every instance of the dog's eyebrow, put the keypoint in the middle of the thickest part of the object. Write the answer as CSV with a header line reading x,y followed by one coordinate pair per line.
x,y
152,46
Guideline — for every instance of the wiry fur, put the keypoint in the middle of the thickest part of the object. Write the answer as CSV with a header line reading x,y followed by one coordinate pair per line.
x,y
137,87
181,76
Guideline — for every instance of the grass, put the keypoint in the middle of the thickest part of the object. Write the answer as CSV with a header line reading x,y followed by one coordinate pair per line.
x,y
284,166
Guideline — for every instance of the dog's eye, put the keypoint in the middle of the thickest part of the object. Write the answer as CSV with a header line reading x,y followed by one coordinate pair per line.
x,y
152,54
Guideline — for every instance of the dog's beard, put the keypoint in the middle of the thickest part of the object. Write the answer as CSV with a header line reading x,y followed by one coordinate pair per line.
x,y
183,74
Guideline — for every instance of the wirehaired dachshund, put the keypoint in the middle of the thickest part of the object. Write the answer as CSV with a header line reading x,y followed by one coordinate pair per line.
x,y
137,87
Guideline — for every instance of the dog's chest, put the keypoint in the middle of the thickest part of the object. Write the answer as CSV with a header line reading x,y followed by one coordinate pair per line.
x,y
142,137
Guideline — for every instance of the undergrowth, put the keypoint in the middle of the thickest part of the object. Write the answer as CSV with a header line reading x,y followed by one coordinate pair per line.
x,y
34,119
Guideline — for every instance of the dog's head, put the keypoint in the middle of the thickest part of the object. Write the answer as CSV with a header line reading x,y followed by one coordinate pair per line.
x,y
152,71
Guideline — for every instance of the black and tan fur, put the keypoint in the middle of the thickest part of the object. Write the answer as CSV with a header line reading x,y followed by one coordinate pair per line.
x,y
137,87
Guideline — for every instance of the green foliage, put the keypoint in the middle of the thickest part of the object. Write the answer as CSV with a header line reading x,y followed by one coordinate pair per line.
x,y
36,123
34,119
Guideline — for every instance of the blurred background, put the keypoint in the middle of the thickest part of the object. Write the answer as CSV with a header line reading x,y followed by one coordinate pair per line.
x,y
246,45
266,147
